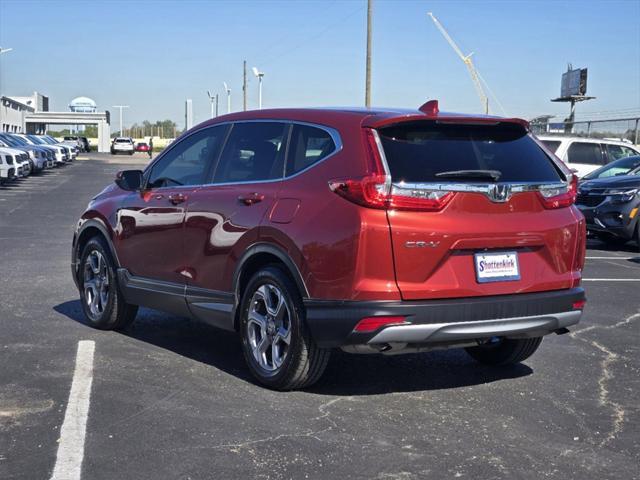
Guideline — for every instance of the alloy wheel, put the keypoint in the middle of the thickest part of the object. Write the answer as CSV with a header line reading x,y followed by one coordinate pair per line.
x,y
269,327
96,283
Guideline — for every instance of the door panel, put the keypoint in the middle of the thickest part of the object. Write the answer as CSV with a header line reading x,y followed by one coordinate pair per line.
x,y
151,223
149,233
219,227
224,218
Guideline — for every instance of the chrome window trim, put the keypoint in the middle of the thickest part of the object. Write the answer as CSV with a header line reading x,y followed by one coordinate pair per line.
x,y
333,133
516,187
499,192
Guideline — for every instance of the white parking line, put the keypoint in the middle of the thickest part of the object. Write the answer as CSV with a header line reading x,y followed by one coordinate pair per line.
x,y
611,279
71,444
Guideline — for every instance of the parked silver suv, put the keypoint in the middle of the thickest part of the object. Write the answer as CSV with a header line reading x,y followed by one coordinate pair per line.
x,y
122,145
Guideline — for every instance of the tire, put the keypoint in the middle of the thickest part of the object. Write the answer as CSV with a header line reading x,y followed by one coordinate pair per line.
x,y
281,366
104,308
506,351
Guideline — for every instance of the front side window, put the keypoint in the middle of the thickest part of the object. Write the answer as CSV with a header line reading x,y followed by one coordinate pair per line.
x,y
253,152
187,162
308,145
585,153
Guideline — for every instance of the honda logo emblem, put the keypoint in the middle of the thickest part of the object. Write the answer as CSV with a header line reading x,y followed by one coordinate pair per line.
x,y
499,192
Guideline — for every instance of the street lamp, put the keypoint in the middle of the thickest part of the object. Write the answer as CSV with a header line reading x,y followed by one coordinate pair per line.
x,y
259,74
228,90
213,98
5,50
121,107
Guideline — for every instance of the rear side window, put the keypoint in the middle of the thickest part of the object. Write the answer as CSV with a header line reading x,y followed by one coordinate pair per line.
x,y
552,145
585,153
417,151
253,152
308,145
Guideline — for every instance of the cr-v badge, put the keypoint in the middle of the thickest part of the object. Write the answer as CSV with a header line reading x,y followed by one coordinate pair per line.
x,y
421,244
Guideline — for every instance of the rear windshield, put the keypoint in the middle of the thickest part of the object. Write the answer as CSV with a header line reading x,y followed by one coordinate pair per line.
x,y
123,140
417,151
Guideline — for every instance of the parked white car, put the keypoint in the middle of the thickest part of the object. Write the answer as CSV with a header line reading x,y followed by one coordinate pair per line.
x,y
122,145
19,159
587,154
7,167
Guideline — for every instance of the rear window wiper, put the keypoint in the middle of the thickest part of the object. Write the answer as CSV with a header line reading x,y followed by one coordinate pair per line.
x,y
486,174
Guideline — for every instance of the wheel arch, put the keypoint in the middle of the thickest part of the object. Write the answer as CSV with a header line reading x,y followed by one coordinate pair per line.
x,y
255,258
88,230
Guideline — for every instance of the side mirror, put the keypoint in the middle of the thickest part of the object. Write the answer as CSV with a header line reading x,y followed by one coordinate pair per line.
x,y
130,180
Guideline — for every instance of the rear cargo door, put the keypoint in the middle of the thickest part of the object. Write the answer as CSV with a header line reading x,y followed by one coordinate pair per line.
x,y
494,234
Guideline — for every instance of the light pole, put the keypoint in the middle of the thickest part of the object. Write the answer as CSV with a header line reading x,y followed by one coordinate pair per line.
x,y
259,74
121,107
5,50
228,90
212,99
367,83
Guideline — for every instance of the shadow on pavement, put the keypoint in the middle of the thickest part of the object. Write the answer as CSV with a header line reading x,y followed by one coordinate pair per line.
x,y
601,246
346,374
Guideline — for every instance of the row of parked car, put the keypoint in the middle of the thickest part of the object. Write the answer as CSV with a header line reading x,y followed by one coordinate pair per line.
x,y
609,184
24,154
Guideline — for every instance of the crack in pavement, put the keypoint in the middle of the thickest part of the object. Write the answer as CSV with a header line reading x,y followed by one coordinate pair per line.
x,y
237,447
604,398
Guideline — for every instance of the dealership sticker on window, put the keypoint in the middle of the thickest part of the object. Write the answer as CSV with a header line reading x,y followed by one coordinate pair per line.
x,y
497,267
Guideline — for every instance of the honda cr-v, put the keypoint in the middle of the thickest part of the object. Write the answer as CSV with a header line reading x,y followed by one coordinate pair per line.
x,y
375,231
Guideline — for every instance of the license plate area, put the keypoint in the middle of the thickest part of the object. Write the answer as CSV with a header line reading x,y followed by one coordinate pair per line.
x,y
497,267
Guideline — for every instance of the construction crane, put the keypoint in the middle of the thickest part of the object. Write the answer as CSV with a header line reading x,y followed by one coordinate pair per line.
x,y
475,76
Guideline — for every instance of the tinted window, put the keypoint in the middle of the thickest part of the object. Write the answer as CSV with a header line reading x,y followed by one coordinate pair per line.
x,y
619,167
619,151
254,151
551,144
308,145
586,153
417,151
186,163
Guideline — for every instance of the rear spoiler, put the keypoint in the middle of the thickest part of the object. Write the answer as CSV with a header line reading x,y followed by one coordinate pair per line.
x,y
379,121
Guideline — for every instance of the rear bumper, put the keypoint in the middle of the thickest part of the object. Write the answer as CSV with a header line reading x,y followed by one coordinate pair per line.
x,y
443,322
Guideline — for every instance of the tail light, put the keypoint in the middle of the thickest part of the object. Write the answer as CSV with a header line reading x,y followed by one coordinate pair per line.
x,y
375,190
552,198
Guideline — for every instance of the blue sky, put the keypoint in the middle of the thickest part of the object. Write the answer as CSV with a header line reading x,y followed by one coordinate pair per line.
x,y
153,55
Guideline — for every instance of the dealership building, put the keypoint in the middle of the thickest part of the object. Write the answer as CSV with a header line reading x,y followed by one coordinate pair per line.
x,y
32,115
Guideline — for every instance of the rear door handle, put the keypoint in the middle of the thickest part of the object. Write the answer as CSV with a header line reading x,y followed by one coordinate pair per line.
x,y
176,198
251,198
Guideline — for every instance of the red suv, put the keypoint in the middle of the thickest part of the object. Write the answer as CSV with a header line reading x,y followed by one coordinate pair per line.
x,y
376,231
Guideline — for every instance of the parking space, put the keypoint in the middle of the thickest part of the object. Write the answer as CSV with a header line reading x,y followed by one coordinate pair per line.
x,y
172,398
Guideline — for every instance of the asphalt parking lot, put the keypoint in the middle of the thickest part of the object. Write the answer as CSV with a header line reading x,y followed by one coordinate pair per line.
x,y
172,399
